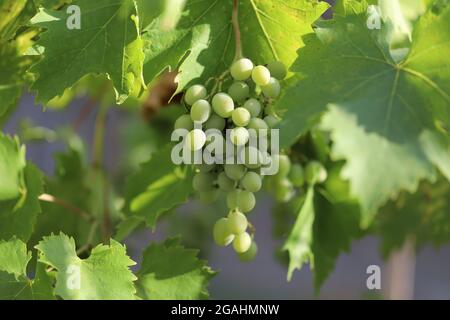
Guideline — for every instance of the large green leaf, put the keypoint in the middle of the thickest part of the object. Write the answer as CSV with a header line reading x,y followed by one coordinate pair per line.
x,y
14,283
327,223
19,217
104,275
12,163
423,217
107,43
203,42
157,187
161,278
377,110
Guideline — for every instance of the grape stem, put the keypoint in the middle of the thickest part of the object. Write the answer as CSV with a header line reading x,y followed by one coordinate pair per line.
x,y
237,30
45,197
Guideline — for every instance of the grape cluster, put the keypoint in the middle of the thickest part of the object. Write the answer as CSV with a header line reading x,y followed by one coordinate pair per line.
x,y
292,176
247,104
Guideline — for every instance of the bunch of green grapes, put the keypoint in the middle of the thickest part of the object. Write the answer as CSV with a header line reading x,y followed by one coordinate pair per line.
x,y
246,104
293,176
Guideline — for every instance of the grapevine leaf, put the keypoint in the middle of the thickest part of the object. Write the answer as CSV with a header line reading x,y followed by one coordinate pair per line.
x,y
327,223
12,163
299,242
13,65
104,275
422,217
204,36
157,187
72,185
20,219
108,43
14,283
376,109
161,278
13,14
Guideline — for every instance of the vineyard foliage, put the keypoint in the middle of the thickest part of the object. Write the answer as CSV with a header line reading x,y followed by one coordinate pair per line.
x,y
371,105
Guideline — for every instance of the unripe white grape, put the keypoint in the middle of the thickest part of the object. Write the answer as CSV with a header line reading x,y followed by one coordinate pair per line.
x,y
271,121
239,91
215,122
277,69
194,93
203,181
195,139
221,232
253,106
284,190
284,164
225,183
239,136
241,69
242,242
250,254
223,105
257,124
251,181
241,117
272,89
234,171
261,75
204,167
242,200
237,221
315,172
184,122
200,111
297,175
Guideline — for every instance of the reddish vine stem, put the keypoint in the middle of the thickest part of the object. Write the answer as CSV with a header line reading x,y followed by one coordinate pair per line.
x,y
237,30
79,212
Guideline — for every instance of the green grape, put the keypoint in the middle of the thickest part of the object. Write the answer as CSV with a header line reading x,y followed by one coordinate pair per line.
x,y
272,89
203,181
241,69
200,111
210,196
237,221
234,171
221,232
251,181
241,117
184,122
226,184
215,122
204,167
284,164
261,75
239,136
315,172
270,111
195,139
271,121
250,254
297,175
253,106
239,91
251,157
257,124
277,69
223,105
242,242
242,200
194,93
284,190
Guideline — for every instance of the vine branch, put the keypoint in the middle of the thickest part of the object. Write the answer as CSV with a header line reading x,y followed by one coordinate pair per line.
x,y
45,197
237,30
